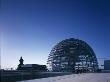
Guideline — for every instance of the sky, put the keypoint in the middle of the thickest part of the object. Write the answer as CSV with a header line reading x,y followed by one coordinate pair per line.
x,y
31,28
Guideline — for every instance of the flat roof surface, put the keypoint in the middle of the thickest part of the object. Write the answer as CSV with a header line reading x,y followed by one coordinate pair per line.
x,y
85,77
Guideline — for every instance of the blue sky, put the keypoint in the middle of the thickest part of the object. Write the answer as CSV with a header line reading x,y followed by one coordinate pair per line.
x,y
30,28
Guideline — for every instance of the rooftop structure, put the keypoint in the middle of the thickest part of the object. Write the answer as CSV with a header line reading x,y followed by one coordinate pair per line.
x,y
35,67
71,55
106,64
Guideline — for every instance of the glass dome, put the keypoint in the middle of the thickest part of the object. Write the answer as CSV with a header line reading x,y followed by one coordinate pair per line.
x,y
71,55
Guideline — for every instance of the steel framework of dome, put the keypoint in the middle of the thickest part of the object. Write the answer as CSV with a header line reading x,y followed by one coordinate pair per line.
x,y
72,54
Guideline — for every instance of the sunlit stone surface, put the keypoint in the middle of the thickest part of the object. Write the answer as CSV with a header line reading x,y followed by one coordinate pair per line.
x,y
91,77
